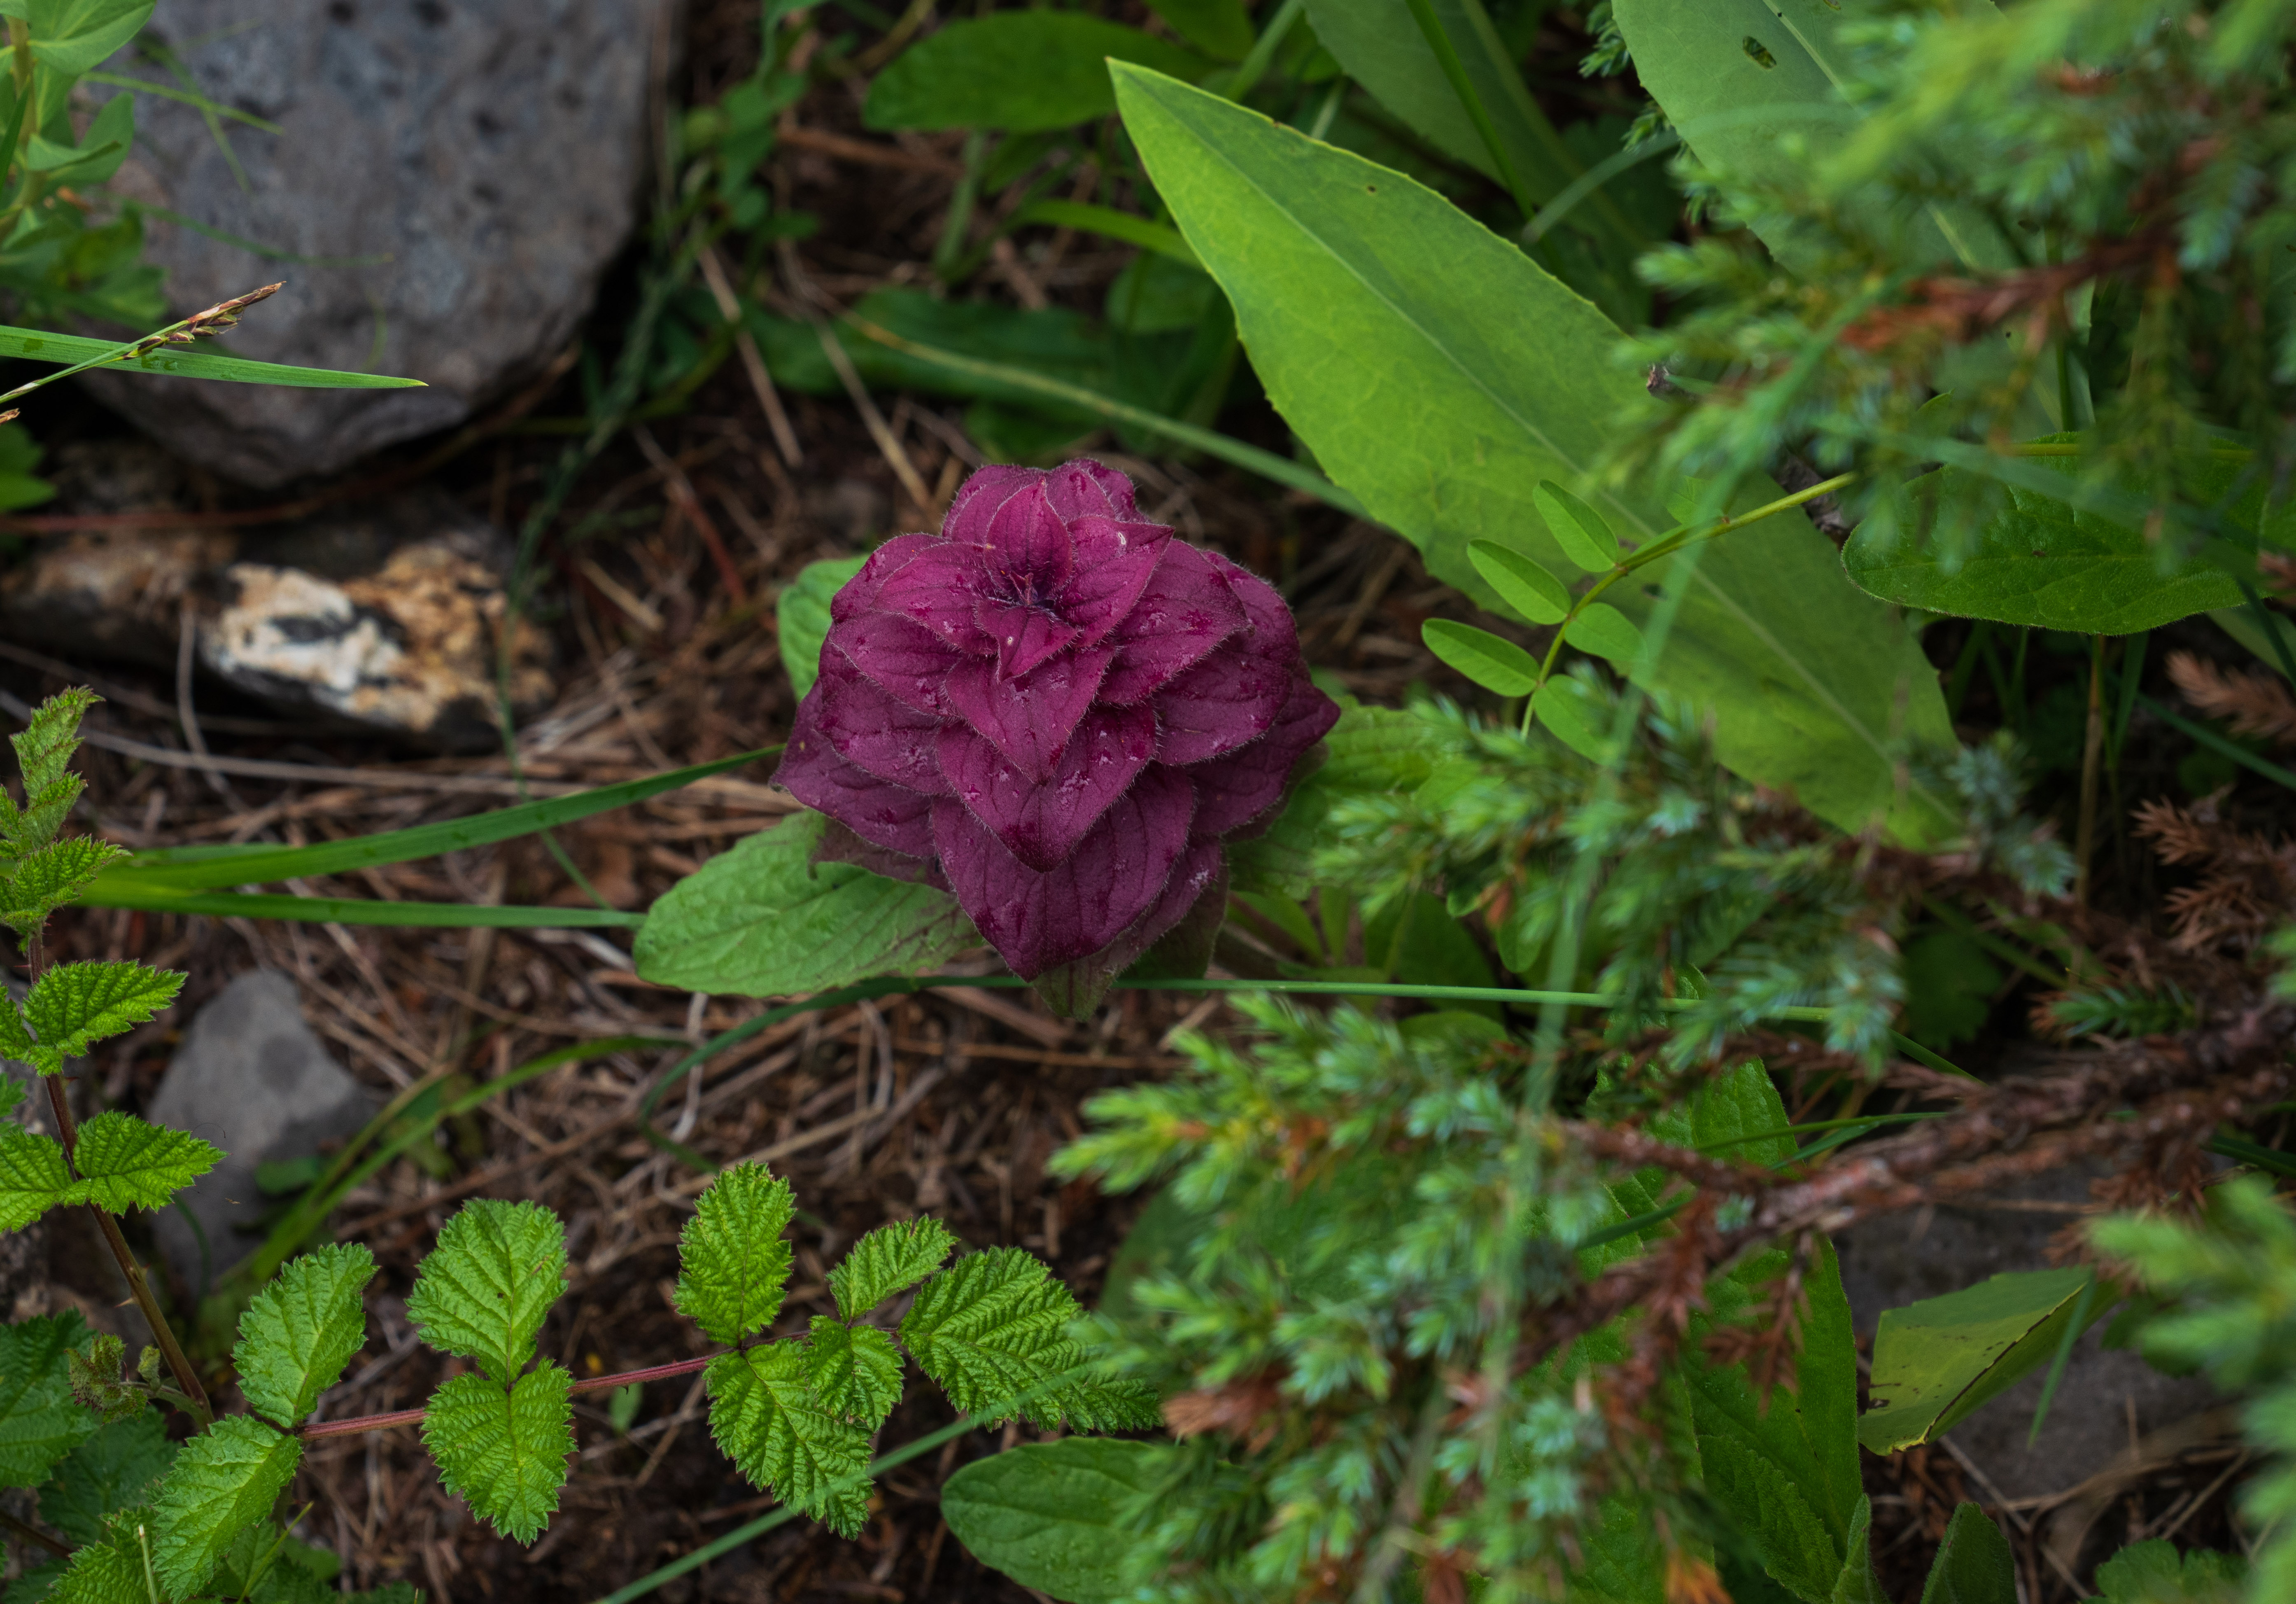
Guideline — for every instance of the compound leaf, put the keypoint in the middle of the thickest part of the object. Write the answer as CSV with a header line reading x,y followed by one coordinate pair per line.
x,y
33,1179
505,1453
1520,583
301,1330
486,1288
224,1479
993,1330
1491,661
767,1419
40,1421
125,1162
892,1258
1577,528
856,1371
732,1261
112,1470
75,1004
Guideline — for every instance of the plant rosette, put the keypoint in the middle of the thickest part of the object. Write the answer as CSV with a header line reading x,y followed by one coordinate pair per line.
x,y
1060,713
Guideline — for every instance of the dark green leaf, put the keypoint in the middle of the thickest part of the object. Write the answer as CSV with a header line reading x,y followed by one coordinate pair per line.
x,y
1047,1514
40,1421
856,1371
2152,1572
1020,70
993,1330
1219,28
112,1471
767,1419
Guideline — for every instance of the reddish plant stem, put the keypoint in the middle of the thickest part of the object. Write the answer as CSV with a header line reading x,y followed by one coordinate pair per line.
x,y
595,1384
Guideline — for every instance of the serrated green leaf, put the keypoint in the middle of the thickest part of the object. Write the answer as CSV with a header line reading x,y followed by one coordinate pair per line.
x,y
1606,632
223,1480
1051,1515
486,1289
733,1265
301,1330
891,1258
801,617
1857,1583
856,1371
1973,1564
40,1421
112,1471
128,1163
47,878
45,747
1521,581
1494,663
12,1089
119,1569
33,1179
2152,1572
1577,528
15,1037
505,1453
994,1327
73,1005
767,1419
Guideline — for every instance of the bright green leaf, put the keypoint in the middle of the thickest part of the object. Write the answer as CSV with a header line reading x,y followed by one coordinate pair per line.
x,y
47,878
71,35
114,1569
15,1039
993,1330
1606,632
2152,1572
485,1291
224,1479
33,1179
855,1370
765,920
112,1470
1050,1515
891,1258
74,1005
40,1421
801,617
128,1163
301,1329
732,1262
766,1418
1935,1361
504,1453
1575,715
1018,70
1973,1565
1577,528
1491,662
44,749
1520,583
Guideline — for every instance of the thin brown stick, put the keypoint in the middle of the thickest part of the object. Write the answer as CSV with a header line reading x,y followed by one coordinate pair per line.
x,y
29,1533
753,361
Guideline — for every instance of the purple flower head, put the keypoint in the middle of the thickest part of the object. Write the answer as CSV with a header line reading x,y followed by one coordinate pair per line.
x,y
1056,710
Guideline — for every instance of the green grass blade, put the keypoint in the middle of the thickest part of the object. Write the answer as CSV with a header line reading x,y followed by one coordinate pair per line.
x,y
144,86
209,869
1161,238
2210,738
127,892
179,362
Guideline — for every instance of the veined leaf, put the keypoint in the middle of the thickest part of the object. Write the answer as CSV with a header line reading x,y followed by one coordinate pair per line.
x,y
1520,583
485,1291
125,1162
993,1330
504,1453
1495,663
1577,528
1857,1583
1050,1515
301,1329
224,1479
44,749
856,1371
33,1177
1606,632
114,1469
765,920
114,1569
1472,375
15,1039
1973,1565
1017,70
766,1418
47,878
801,617
40,1422
733,1264
73,1005
891,1258
1937,1360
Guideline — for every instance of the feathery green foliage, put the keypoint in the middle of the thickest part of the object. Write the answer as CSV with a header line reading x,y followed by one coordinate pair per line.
x,y
505,1453
301,1329
890,1259
733,1264
486,1287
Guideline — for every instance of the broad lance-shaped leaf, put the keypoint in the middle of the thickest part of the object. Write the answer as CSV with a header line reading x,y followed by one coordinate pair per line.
x,y
33,1179
40,1421
301,1329
856,1371
73,1005
1937,1360
891,1258
114,1469
1472,375
993,1330
224,1479
765,920
486,1287
125,1162
1051,1515
1855,1582
1973,1565
732,1262
505,1453
767,1419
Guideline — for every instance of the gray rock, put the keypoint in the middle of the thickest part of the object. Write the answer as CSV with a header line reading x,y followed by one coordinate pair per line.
x,y
1902,1259
252,1078
380,616
461,171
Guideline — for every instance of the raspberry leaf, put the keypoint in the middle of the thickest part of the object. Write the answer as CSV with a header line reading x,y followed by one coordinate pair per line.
x,y
115,1568
732,1261
44,754
766,1418
113,1469
301,1330
993,1330
33,1179
485,1291
856,1371
47,878
892,1258
40,1422
75,1004
223,1480
126,1163
505,1453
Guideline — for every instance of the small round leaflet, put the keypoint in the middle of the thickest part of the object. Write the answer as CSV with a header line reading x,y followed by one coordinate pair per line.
x,y
1522,584
1495,665
1577,528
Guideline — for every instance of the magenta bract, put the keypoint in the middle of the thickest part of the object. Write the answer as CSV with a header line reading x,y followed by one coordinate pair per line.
x,y
1058,710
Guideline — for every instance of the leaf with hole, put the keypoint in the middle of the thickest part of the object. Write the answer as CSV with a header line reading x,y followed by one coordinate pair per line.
x,y
1494,663
1520,583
